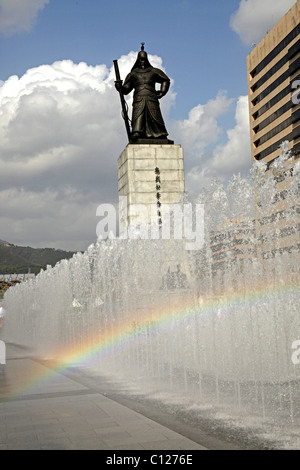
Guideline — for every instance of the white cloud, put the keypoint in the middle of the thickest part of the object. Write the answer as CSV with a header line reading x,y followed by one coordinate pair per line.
x,y
50,218
19,15
235,155
225,159
254,18
61,133
201,128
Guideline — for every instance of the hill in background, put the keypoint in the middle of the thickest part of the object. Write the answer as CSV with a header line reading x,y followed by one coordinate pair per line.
x,y
22,259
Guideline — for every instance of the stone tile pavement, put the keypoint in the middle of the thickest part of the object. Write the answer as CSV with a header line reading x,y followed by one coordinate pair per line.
x,y
41,409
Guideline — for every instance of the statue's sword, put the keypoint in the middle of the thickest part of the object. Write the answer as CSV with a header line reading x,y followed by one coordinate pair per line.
x,y
123,103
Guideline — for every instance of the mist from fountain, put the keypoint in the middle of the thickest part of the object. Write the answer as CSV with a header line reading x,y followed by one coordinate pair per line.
x,y
222,338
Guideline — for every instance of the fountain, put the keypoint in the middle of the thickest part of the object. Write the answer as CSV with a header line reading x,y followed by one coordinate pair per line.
x,y
221,338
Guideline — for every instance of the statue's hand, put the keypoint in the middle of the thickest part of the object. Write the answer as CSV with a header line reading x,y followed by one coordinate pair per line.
x,y
118,85
159,94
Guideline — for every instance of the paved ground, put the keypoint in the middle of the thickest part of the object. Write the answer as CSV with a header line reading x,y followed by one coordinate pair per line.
x,y
42,409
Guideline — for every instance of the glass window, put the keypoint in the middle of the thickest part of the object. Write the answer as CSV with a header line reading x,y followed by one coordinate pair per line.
x,y
283,125
273,117
291,70
282,45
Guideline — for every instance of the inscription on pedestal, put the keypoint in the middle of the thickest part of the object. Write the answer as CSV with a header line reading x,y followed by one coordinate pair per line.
x,y
151,175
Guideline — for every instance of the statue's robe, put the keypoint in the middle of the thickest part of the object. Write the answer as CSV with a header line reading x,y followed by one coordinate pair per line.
x,y
147,119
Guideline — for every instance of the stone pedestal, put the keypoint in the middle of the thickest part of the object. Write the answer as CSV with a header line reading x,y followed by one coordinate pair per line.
x,y
150,178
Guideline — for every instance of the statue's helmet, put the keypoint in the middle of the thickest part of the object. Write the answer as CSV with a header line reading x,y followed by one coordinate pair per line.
x,y
142,55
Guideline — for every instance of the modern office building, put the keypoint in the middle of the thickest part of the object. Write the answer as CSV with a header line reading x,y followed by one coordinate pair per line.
x,y
273,68
233,241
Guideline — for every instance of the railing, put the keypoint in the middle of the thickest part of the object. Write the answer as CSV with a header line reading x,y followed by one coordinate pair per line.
x,y
16,277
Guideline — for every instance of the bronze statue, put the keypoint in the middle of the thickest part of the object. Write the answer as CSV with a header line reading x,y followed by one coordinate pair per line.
x,y
147,122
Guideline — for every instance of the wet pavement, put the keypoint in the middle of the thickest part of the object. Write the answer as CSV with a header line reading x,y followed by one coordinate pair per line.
x,y
44,409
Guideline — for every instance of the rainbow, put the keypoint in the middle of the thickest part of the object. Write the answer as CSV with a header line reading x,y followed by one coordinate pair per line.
x,y
125,332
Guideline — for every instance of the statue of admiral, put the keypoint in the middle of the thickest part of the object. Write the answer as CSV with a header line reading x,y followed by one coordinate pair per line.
x,y
147,121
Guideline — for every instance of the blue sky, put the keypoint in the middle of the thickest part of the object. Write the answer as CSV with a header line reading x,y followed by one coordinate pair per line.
x,y
60,126
188,35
